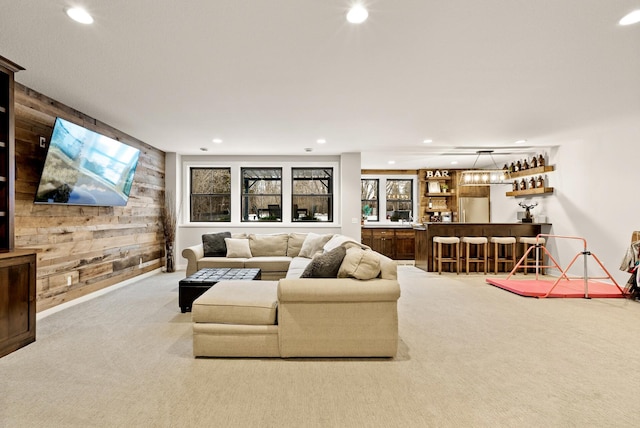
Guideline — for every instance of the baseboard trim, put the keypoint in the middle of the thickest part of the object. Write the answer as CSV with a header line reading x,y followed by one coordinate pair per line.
x,y
98,293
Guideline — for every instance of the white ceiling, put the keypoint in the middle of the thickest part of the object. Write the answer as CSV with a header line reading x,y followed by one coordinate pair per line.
x,y
271,77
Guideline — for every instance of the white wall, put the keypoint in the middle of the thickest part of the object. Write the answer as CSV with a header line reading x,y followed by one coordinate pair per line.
x,y
596,184
350,169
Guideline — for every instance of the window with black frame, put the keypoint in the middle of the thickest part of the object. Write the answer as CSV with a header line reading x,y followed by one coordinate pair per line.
x,y
399,199
369,196
261,194
210,194
312,194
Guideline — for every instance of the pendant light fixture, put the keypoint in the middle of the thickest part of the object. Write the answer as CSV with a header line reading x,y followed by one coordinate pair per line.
x,y
484,177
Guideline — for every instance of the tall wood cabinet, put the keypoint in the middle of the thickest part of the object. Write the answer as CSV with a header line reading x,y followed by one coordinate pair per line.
x,y
17,268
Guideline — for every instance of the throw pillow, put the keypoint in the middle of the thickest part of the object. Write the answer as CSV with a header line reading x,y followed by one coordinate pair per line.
x,y
268,245
237,248
312,244
344,241
214,245
325,265
359,264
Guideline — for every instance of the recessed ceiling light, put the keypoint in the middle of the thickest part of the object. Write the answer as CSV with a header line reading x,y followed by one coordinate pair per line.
x,y
217,140
427,141
391,162
204,149
454,162
630,18
520,142
321,141
357,14
79,15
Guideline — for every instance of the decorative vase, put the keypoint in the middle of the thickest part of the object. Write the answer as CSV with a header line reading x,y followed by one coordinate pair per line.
x,y
169,257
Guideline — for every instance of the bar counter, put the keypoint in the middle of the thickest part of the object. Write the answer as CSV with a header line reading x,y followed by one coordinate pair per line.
x,y
425,234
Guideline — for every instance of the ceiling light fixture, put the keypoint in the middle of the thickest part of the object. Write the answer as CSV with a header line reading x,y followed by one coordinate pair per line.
x,y
357,14
484,177
520,142
630,18
79,15
321,141
428,141
391,162
217,140
204,149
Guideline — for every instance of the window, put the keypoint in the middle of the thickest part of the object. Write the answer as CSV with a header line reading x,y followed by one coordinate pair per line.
x,y
210,194
399,199
261,194
312,194
369,197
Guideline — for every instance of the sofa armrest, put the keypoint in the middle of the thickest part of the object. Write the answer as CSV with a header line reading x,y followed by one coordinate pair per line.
x,y
338,317
337,290
193,254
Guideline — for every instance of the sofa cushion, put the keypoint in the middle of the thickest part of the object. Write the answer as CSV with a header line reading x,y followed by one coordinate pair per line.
x,y
359,264
295,243
269,264
313,244
268,245
237,248
238,302
221,262
297,266
325,265
214,245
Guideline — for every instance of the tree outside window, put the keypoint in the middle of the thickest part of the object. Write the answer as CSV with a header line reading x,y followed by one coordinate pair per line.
x,y
369,196
261,194
312,194
399,199
210,194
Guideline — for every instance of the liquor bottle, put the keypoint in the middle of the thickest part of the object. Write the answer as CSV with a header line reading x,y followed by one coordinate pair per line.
x,y
512,167
532,183
430,204
540,182
518,166
523,184
525,165
534,162
515,185
540,160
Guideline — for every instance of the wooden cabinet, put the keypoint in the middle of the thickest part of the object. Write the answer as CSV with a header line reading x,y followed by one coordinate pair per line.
x,y
7,150
395,243
17,300
405,244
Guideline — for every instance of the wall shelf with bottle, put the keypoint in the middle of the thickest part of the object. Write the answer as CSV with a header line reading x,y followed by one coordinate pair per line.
x,y
528,177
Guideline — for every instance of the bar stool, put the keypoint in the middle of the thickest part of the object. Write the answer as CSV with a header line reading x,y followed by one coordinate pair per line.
x,y
480,256
528,241
508,246
453,255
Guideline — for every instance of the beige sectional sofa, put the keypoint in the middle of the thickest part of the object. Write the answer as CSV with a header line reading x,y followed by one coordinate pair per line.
x,y
293,316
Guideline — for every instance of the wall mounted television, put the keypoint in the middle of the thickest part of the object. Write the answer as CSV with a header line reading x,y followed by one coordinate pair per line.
x,y
83,167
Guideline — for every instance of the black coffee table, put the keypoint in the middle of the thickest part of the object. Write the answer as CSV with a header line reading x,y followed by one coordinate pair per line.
x,y
193,286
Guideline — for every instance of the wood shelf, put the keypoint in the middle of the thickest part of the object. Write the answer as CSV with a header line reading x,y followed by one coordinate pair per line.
x,y
439,195
528,192
436,179
532,171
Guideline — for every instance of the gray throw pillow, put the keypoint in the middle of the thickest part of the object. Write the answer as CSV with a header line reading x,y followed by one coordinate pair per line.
x,y
214,245
325,265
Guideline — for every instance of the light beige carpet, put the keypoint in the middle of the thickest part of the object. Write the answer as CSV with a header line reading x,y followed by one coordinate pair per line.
x,y
471,355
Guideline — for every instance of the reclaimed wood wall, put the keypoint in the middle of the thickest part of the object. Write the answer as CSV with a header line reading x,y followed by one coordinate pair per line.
x,y
93,246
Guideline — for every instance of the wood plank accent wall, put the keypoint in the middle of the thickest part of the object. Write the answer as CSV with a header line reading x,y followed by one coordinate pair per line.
x,y
95,246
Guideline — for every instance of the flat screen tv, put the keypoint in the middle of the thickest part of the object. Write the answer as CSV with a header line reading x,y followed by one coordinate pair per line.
x,y
83,167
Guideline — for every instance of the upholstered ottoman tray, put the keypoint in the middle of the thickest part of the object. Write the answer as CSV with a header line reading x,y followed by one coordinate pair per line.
x,y
236,319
